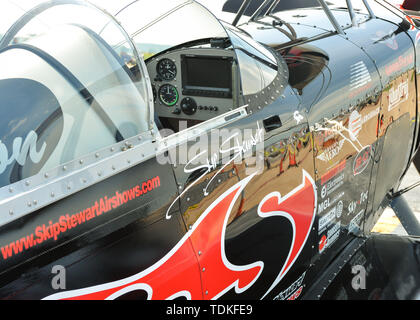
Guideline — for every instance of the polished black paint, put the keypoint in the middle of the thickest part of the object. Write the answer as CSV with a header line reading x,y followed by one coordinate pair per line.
x,y
387,265
112,238
134,237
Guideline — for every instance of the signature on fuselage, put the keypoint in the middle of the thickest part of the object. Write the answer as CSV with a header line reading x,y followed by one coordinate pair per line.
x,y
237,152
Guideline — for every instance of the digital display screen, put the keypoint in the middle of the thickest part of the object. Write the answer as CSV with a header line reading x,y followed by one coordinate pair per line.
x,y
207,75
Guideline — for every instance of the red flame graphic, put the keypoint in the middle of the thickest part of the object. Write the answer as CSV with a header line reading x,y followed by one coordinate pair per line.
x,y
178,274
299,207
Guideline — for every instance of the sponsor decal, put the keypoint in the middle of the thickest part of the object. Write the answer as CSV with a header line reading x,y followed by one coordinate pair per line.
x,y
362,160
389,39
353,204
331,152
329,203
294,291
322,243
355,126
327,240
354,226
21,151
332,185
166,280
54,230
398,95
333,172
327,220
356,122
340,207
400,64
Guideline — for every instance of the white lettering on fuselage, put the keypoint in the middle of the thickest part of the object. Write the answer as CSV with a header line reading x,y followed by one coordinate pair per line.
x,y
21,151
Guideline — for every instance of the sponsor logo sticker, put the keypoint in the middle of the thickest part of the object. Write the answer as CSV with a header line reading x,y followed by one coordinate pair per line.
x,y
356,122
331,152
362,160
327,240
400,64
398,95
292,292
389,39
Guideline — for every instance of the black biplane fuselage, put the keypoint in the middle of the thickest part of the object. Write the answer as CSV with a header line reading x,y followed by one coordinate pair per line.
x,y
238,162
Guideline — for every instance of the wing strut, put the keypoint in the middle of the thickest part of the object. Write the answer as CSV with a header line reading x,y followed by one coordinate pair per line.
x,y
406,216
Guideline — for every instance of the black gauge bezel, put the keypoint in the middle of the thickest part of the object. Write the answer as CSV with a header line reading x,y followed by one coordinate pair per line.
x,y
166,103
163,76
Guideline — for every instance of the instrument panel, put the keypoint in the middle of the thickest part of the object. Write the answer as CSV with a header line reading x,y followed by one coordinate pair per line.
x,y
193,84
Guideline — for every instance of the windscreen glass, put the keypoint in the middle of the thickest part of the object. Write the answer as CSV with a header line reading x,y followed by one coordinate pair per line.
x,y
175,21
71,83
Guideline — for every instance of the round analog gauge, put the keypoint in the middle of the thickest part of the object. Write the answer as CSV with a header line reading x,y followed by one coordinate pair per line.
x,y
166,69
168,95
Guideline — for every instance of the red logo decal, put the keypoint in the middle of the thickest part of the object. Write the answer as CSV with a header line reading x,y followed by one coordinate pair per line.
x,y
322,243
299,207
362,160
177,274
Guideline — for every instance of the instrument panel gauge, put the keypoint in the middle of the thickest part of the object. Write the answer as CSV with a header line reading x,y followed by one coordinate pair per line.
x,y
168,95
166,69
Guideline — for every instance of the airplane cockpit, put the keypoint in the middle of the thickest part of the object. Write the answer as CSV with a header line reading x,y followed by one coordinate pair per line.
x,y
82,79
202,68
